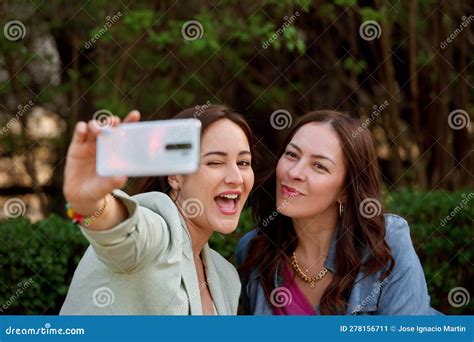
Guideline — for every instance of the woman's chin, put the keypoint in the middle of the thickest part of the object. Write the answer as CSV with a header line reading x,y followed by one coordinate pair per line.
x,y
289,212
226,227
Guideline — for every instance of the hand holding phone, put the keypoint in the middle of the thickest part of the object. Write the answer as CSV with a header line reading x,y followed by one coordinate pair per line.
x,y
83,187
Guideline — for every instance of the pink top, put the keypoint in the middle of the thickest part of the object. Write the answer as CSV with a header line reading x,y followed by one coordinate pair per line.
x,y
298,304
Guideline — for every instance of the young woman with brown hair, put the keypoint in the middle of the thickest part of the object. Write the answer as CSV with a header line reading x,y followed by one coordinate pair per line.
x,y
148,254
328,248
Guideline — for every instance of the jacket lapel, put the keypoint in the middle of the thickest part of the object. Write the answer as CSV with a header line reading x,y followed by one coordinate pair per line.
x,y
215,286
190,279
189,275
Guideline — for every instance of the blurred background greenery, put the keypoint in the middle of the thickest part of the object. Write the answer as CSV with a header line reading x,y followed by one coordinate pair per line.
x,y
61,62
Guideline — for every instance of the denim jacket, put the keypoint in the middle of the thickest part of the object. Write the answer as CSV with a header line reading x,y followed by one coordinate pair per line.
x,y
403,292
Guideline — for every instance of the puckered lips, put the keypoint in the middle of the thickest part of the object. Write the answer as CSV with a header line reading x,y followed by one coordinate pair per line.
x,y
290,192
228,202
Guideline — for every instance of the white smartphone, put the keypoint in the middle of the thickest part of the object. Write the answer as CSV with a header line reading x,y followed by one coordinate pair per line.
x,y
149,148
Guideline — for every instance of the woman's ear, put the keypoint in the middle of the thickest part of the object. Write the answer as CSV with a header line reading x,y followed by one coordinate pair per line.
x,y
342,198
175,182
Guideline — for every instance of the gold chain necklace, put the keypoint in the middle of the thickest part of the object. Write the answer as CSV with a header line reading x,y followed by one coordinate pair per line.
x,y
306,278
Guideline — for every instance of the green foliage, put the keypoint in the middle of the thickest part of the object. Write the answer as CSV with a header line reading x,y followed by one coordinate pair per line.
x,y
293,39
139,20
326,11
423,58
345,3
38,261
351,64
305,4
369,13
443,244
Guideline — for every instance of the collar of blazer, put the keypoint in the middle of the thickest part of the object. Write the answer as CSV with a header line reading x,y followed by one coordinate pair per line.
x,y
190,278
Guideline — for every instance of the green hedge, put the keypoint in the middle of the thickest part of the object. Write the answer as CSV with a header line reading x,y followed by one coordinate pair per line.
x,y
443,243
38,260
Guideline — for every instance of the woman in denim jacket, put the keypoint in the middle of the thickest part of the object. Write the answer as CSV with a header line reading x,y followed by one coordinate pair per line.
x,y
328,248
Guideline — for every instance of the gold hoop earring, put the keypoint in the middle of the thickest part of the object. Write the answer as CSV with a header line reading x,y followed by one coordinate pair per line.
x,y
341,209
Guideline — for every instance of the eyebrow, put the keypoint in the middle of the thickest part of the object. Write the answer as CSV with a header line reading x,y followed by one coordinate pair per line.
x,y
313,155
224,154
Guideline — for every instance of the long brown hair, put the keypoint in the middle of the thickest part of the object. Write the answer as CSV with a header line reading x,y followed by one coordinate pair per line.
x,y
276,241
207,114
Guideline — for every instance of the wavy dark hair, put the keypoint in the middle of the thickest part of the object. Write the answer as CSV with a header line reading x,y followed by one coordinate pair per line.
x,y
207,114
275,242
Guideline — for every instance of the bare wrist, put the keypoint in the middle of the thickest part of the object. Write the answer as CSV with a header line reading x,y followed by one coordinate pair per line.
x,y
114,213
89,219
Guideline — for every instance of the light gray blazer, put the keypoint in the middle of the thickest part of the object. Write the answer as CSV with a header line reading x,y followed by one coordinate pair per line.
x,y
145,266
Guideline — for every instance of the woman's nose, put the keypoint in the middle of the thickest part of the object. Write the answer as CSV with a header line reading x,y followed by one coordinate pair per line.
x,y
233,175
297,172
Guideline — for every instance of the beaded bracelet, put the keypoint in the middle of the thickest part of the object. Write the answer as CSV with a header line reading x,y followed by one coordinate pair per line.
x,y
84,220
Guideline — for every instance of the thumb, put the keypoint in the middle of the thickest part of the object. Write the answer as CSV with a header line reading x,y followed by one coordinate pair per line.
x,y
119,181
104,185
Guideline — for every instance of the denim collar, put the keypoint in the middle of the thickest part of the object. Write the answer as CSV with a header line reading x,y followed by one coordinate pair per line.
x,y
330,262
